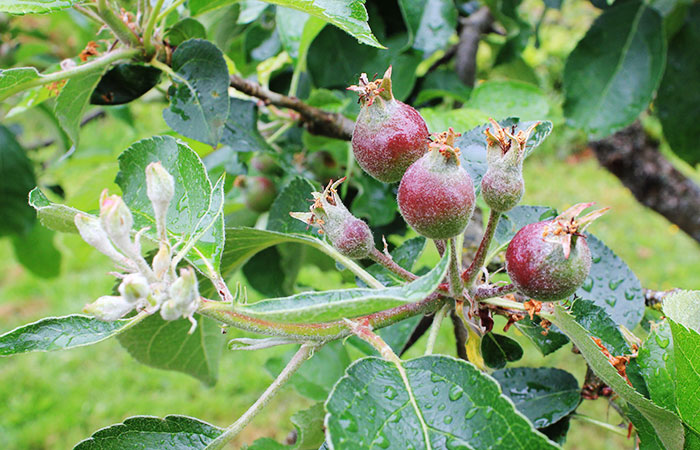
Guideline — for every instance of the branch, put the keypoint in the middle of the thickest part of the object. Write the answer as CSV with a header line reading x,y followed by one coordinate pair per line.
x,y
316,120
460,335
635,159
319,331
472,29
472,272
389,264
89,117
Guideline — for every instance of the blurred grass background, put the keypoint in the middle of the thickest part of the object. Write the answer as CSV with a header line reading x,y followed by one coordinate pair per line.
x,y
52,401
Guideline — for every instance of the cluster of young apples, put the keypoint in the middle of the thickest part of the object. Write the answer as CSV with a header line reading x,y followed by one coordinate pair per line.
x,y
548,260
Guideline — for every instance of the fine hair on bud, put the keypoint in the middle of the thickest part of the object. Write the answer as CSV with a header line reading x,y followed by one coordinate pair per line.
x,y
436,195
389,135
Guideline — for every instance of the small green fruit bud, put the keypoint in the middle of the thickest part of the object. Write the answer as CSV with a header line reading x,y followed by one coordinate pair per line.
x,y
134,288
109,307
503,186
348,234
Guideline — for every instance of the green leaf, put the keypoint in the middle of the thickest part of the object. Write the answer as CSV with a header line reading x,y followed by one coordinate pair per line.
x,y
429,402
472,145
35,250
686,349
544,395
316,377
375,201
73,100
657,366
512,221
53,216
199,101
430,23
16,180
439,119
294,197
611,75
612,285
331,305
166,345
200,6
335,61
350,16
547,343
683,307
398,334
147,432
309,425
599,324
34,6
443,83
503,99
9,78
266,275
674,106
185,29
124,83
59,333
241,128
405,256
498,350
666,424
196,210
296,31
648,440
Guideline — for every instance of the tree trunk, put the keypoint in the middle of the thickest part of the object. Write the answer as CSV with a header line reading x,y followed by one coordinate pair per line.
x,y
635,159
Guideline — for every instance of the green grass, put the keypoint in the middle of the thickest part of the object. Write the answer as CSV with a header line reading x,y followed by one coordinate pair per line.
x,y
54,400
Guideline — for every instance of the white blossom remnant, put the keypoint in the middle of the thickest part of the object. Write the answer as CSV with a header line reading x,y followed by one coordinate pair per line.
x,y
144,287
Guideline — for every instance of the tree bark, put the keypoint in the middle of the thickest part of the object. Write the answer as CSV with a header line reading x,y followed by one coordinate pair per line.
x,y
635,159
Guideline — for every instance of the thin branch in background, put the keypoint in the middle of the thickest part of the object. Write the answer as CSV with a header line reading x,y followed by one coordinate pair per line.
x,y
89,117
635,159
316,120
472,28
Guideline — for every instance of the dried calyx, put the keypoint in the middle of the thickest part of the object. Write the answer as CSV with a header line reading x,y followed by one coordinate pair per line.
x,y
144,287
389,135
349,235
503,186
567,226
